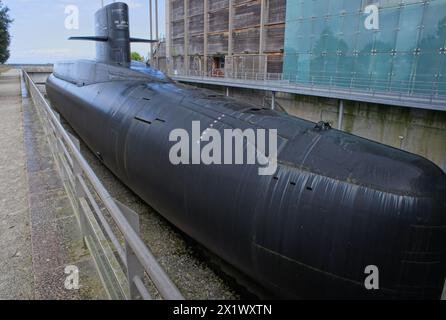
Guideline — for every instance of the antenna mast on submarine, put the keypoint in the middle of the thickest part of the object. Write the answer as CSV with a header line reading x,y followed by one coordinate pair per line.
x,y
151,12
150,30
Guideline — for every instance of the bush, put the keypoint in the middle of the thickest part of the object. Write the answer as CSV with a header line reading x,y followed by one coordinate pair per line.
x,y
5,38
137,57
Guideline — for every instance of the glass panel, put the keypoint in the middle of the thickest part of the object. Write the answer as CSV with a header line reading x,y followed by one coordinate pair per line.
x,y
335,7
318,27
365,41
306,9
317,68
304,62
385,37
331,64
442,78
352,5
319,45
345,69
410,22
427,67
363,71
320,8
402,72
290,65
381,70
327,43
304,38
434,27
350,31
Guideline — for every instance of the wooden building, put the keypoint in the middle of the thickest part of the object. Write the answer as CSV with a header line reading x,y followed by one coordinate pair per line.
x,y
223,37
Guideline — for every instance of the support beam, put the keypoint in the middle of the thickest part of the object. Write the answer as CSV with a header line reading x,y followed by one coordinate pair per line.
x,y
156,21
205,37
151,30
273,100
168,36
263,11
341,114
186,37
227,91
231,28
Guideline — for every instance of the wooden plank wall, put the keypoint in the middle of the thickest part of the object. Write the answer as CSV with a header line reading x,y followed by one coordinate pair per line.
x,y
246,30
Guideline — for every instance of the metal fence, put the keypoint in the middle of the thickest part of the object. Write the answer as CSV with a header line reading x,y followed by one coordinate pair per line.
x,y
124,262
418,94
222,73
425,89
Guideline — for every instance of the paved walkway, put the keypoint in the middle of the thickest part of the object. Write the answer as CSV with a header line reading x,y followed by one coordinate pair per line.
x,y
16,276
39,234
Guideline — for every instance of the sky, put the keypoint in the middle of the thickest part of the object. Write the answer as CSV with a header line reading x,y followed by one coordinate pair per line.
x,y
39,33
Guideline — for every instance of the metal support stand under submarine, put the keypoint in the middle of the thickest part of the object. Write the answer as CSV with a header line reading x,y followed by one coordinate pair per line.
x,y
336,204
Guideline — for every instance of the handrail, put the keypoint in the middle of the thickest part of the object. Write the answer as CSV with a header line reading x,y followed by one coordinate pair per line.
x,y
160,279
415,94
339,81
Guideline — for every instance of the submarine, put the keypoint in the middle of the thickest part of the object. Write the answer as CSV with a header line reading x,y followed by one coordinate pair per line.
x,y
336,207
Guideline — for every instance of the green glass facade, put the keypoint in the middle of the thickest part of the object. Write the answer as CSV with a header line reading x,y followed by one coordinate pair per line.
x,y
399,48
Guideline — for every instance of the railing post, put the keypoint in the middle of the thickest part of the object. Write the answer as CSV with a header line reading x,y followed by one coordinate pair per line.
x,y
60,152
79,193
273,100
134,268
341,114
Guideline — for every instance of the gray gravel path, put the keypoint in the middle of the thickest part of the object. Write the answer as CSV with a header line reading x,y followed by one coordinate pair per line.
x,y
16,279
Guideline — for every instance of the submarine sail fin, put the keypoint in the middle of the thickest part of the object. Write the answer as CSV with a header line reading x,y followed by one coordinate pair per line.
x,y
92,38
138,40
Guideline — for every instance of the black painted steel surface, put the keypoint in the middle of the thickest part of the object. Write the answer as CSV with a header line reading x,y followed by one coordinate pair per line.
x,y
336,204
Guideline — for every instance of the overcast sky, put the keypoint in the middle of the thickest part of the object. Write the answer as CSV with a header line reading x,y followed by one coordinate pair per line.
x,y
39,34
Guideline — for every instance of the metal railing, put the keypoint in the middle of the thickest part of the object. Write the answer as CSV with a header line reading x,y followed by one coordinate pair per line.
x,y
221,73
342,82
390,85
414,93
122,270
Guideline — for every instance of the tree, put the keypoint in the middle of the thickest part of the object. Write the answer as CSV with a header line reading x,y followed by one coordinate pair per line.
x,y
5,38
137,57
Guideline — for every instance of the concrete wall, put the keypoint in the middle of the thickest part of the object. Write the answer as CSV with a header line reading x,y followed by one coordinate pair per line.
x,y
418,131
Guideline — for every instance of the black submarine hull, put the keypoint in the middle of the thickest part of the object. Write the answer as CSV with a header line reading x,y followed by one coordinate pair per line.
x,y
337,203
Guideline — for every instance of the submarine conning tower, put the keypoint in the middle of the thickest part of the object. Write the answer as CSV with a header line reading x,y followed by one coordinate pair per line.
x,y
112,22
113,35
